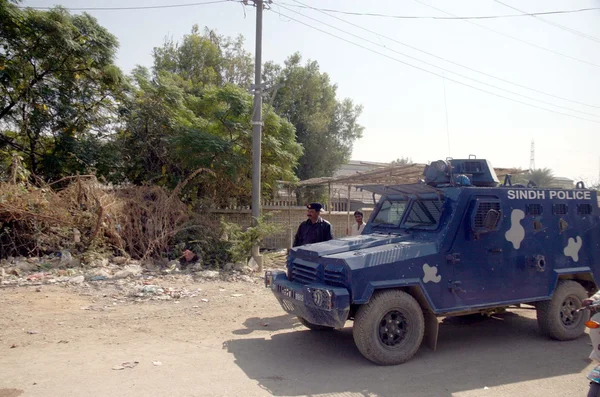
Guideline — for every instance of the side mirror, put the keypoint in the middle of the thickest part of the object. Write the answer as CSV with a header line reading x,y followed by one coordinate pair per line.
x,y
492,218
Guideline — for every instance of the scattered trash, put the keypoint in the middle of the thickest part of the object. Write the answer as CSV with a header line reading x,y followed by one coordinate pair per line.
x,y
195,307
66,259
252,264
156,363
129,271
188,255
152,289
486,388
247,279
127,364
33,332
98,278
208,274
236,295
36,276
204,300
77,280
13,346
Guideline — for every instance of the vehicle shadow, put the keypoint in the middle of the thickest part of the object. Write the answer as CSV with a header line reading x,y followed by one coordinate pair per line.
x,y
278,323
504,349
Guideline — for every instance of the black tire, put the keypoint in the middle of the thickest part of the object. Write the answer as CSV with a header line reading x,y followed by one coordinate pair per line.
x,y
314,327
557,318
380,343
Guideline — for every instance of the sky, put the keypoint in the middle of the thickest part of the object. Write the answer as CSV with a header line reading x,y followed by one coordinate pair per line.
x,y
408,112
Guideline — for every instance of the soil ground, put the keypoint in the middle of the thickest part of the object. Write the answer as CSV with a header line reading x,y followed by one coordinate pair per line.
x,y
233,339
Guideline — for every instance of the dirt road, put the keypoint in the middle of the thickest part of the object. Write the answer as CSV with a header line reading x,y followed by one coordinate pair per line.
x,y
58,342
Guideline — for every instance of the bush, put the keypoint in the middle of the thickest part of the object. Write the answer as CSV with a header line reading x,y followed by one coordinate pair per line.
x,y
241,241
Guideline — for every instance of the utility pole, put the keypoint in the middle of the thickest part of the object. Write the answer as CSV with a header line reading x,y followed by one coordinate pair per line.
x,y
257,127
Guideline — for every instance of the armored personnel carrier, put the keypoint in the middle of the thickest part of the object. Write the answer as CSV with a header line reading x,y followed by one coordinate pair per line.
x,y
459,242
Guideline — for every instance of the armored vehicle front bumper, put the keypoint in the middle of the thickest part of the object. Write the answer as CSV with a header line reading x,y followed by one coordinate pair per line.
x,y
316,303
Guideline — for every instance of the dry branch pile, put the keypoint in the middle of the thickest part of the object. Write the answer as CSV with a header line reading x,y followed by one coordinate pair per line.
x,y
138,221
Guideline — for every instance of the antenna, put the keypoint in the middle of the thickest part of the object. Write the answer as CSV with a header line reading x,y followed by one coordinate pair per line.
x,y
532,156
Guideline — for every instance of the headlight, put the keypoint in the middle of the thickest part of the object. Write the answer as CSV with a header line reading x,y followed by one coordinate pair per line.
x,y
322,298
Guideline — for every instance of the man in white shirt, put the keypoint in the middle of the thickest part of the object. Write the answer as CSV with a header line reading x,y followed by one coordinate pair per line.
x,y
358,227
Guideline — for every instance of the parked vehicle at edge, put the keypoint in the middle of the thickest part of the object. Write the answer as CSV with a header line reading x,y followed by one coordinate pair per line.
x,y
459,242
594,326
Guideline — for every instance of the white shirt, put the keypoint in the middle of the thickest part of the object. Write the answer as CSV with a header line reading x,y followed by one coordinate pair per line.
x,y
355,230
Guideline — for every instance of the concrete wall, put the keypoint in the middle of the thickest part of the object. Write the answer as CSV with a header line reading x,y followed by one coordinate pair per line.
x,y
289,218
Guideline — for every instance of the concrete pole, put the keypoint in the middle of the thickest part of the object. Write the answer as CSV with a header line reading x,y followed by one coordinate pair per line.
x,y
348,209
257,128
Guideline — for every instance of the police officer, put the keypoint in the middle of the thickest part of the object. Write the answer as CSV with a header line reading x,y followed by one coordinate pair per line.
x,y
315,229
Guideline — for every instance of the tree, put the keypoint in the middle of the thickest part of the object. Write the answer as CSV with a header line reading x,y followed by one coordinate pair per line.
x,y
207,58
189,114
325,126
402,161
542,177
59,88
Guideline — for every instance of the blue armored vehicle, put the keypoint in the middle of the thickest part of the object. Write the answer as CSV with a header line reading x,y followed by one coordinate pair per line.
x,y
459,242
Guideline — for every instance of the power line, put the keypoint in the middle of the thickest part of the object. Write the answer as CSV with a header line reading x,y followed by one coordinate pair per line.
x,y
433,73
563,27
439,67
370,14
133,8
513,37
447,60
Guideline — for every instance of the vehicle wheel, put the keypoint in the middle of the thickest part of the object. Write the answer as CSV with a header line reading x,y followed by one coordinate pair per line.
x,y
314,327
389,329
557,318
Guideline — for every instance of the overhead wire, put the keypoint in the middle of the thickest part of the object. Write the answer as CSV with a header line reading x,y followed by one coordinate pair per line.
x,y
513,37
444,59
371,14
434,73
563,27
442,68
132,7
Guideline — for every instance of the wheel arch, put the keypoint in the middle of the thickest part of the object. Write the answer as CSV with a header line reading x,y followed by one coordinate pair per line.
x,y
586,279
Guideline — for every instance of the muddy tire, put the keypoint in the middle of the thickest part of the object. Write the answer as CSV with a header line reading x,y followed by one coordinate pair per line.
x,y
389,329
557,318
314,327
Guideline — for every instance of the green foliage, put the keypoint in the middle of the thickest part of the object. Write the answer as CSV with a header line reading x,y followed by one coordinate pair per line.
x,y
402,161
58,88
203,237
206,58
188,114
241,241
542,177
325,126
